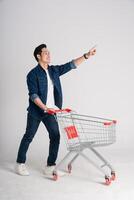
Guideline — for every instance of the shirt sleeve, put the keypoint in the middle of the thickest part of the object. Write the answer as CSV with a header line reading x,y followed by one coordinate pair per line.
x,y
62,69
32,86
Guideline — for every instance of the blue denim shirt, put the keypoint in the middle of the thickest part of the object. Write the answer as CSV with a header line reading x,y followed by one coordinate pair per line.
x,y
37,86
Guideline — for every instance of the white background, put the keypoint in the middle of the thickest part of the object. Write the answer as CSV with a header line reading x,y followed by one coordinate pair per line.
x,y
101,86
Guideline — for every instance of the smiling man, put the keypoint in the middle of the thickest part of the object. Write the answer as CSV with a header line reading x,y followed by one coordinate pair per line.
x,y
45,95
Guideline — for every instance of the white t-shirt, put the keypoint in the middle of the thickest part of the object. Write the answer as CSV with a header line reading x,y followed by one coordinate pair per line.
x,y
50,94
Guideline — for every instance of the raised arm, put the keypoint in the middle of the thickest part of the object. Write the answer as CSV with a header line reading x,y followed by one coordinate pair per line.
x,y
87,55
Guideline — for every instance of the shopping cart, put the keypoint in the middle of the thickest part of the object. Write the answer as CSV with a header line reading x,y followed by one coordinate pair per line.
x,y
86,132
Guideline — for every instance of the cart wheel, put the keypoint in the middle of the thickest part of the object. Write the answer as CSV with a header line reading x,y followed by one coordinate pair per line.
x,y
69,168
107,180
55,176
113,176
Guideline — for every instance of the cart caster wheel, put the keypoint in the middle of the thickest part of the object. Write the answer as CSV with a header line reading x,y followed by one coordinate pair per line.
x,y
107,180
113,176
69,168
55,177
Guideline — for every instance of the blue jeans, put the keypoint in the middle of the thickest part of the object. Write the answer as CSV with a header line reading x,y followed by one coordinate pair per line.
x,y
32,126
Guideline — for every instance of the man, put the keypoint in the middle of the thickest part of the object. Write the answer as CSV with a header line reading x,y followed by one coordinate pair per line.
x,y
45,95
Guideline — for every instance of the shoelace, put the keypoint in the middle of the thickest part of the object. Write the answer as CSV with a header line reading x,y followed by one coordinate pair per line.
x,y
23,167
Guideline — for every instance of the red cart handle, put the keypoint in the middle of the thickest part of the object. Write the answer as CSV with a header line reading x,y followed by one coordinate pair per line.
x,y
110,123
59,111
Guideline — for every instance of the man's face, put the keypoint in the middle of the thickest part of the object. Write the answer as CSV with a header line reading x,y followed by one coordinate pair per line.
x,y
45,56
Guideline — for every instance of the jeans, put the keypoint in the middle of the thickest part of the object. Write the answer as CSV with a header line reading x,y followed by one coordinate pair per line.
x,y
32,126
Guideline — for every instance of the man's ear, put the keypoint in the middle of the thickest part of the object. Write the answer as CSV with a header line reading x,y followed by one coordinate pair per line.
x,y
38,56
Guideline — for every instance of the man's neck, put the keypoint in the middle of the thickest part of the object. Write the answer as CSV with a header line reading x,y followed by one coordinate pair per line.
x,y
43,65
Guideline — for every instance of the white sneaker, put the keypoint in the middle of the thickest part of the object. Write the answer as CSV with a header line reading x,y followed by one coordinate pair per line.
x,y
21,169
49,170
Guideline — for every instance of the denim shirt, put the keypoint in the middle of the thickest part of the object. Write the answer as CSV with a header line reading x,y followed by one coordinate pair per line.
x,y
37,86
